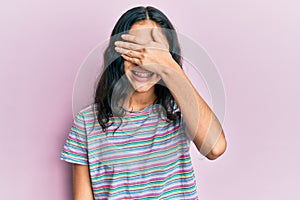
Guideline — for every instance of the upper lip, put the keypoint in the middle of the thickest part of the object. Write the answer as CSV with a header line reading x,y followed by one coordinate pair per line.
x,y
139,71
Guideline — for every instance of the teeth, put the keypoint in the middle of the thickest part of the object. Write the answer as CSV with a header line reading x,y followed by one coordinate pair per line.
x,y
143,74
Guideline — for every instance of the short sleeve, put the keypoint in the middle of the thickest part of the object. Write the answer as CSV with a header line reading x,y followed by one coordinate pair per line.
x,y
75,147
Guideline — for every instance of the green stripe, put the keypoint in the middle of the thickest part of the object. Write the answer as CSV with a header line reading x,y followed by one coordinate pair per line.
x,y
137,172
133,174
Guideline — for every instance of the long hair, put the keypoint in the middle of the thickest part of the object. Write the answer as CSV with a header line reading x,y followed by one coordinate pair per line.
x,y
113,85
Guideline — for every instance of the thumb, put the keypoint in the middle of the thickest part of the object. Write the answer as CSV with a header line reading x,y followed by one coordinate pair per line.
x,y
156,35
159,37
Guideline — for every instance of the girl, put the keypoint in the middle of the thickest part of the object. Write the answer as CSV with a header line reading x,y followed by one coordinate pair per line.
x,y
133,141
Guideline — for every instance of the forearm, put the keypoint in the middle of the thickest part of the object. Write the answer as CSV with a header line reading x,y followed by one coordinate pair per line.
x,y
81,183
203,127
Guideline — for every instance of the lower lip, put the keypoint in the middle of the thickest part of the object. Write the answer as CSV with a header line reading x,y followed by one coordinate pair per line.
x,y
141,79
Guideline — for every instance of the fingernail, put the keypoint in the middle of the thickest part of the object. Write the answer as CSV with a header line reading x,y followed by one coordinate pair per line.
x,y
117,42
123,36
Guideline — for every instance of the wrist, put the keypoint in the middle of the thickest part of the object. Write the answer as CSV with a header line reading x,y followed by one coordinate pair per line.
x,y
171,68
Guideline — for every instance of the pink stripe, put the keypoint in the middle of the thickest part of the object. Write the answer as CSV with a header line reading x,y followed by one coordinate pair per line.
x,y
134,155
149,167
72,153
145,181
136,139
77,139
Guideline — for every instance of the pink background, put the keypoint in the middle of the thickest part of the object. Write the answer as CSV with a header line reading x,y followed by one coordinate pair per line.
x,y
253,43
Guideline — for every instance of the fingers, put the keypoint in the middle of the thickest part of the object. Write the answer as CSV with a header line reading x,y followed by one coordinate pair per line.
x,y
132,60
132,38
128,45
129,49
129,53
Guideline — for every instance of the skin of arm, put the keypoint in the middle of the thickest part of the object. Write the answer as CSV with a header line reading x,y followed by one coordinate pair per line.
x,y
202,124
81,183
203,127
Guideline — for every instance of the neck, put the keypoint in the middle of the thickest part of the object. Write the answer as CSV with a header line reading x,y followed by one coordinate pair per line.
x,y
140,100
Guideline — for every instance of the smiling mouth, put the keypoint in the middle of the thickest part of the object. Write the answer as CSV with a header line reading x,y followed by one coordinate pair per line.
x,y
142,74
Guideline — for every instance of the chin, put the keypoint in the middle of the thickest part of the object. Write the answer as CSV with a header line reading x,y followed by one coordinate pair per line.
x,y
143,88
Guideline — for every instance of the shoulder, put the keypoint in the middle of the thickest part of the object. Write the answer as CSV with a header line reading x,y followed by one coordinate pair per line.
x,y
86,117
87,112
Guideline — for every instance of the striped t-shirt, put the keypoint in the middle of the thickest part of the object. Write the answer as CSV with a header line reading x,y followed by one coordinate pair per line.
x,y
147,157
